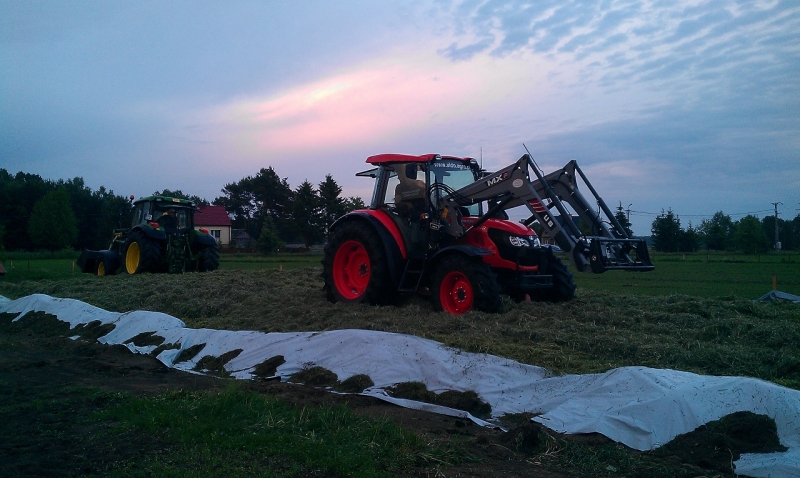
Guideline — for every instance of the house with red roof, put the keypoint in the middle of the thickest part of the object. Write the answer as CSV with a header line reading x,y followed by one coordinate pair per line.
x,y
216,220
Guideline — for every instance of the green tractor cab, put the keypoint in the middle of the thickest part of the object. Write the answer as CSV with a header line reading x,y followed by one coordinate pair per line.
x,y
162,238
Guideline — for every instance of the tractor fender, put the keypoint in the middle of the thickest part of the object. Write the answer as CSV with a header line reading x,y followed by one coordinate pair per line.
x,y
463,249
204,240
89,260
393,245
152,233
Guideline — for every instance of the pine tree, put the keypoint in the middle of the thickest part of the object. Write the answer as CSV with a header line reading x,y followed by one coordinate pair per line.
x,y
52,225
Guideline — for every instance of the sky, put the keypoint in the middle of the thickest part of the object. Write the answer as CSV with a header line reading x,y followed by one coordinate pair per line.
x,y
686,105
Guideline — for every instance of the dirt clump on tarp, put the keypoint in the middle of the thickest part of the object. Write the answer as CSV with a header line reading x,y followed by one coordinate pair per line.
x,y
216,365
145,339
268,368
93,330
321,377
189,353
355,384
467,401
716,445
315,377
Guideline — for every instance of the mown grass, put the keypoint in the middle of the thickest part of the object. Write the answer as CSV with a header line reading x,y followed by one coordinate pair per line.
x,y
595,332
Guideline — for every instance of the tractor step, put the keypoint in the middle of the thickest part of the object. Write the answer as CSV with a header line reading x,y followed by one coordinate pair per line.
x,y
412,276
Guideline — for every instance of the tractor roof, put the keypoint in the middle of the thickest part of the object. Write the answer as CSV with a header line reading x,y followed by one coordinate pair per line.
x,y
407,158
164,201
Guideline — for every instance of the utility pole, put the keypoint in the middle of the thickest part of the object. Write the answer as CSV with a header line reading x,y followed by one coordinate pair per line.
x,y
777,241
629,212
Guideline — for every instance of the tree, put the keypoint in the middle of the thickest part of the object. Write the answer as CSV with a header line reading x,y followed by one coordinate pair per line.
x,y
18,194
53,225
689,240
352,203
794,233
306,214
666,232
622,218
254,198
750,236
332,205
181,195
718,232
268,241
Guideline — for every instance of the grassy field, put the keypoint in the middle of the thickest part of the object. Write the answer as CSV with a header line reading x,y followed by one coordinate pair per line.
x,y
704,275
709,275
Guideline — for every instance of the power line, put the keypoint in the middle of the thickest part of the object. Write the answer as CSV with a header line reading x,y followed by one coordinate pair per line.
x,y
646,213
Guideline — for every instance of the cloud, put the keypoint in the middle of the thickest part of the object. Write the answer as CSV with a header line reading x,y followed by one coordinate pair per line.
x,y
369,104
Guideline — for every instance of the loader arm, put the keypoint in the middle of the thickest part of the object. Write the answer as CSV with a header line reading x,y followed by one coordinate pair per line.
x,y
607,248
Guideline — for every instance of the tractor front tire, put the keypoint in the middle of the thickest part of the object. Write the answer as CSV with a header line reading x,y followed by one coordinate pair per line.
x,y
461,284
208,260
141,254
563,288
355,267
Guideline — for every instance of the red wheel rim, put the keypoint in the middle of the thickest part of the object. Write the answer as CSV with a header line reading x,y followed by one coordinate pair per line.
x,y
456,293
351,270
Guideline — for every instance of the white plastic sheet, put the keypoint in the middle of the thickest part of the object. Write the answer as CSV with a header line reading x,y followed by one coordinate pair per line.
x,y
641,407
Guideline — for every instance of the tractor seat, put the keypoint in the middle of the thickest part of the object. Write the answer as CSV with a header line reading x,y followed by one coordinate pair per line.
x,y
168,222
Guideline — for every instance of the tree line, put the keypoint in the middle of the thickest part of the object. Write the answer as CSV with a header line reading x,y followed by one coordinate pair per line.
x,y
41,214
721,233
267,208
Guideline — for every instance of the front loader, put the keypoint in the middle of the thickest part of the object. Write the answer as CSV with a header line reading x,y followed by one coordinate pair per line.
x,y
161,238
438,225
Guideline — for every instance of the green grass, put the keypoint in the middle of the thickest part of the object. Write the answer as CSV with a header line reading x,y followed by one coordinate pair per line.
x,y
61,265
242,433
704,275
232,433
283,261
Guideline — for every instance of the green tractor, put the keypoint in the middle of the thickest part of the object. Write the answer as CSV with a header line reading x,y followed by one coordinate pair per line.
x,y
162,238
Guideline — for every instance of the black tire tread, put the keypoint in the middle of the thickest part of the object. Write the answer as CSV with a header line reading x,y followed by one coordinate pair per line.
x,y
563,289
380,290
208,260
484,282
149,253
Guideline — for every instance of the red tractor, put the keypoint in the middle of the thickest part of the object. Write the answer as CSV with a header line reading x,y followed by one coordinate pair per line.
x,y
438,224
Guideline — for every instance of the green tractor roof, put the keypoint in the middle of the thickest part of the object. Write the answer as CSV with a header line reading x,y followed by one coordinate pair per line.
x,y
164,201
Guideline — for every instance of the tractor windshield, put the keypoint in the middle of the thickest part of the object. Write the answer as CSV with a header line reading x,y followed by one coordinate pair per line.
x,y
456,175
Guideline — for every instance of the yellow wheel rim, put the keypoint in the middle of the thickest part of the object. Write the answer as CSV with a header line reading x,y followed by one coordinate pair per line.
x,y
132,258
101,269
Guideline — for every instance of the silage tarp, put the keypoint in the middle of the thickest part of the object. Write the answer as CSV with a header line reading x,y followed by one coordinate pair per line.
x,y
778,296
641,407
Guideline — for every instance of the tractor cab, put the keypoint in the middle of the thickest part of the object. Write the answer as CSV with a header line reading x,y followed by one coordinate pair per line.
x,y
172,214
411,190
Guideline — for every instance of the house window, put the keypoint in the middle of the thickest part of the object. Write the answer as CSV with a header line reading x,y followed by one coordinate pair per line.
x,y
215,233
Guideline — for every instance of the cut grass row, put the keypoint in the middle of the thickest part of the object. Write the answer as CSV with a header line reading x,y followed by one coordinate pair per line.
x,y
702,275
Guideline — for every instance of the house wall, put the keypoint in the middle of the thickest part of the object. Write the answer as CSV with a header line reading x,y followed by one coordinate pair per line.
x,y
224,233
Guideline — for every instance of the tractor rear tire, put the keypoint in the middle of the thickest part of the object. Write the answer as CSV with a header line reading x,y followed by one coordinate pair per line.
x,y
461,284
105,269
563,288
141,254
208,260
355,267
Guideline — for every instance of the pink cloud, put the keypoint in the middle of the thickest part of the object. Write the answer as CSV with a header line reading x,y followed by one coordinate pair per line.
x,y
348,109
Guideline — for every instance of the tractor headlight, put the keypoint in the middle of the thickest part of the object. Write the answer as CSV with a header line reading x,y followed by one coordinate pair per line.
x,y
517,241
